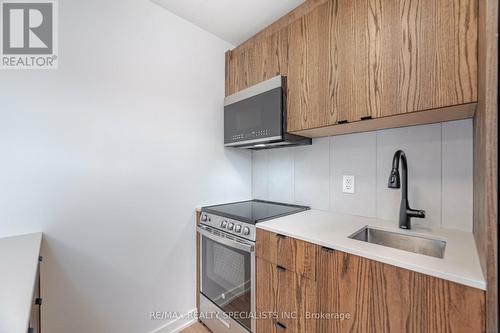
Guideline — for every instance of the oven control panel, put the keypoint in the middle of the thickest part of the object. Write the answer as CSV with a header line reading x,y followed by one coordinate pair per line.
x,y
234,227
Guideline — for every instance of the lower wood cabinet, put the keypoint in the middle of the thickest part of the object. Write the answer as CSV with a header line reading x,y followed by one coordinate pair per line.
x,y
349,293
384,298
267,325
290,253
286,297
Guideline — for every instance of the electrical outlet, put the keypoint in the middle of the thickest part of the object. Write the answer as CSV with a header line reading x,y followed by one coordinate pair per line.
x,y
348,184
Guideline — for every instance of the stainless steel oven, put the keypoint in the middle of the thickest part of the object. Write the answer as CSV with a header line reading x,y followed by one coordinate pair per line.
x,y
227,281
227,261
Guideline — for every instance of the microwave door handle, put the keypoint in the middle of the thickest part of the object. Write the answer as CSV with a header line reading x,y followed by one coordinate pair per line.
x,y
226,241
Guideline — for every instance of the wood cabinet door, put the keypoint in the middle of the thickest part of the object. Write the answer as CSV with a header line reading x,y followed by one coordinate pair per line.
x,y
327,81
237,70
268,57
353,59
343,285
266,325
308,100
287,295
384,298
257,60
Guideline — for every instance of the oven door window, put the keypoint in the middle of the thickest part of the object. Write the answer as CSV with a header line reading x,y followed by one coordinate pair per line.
x,y
226,279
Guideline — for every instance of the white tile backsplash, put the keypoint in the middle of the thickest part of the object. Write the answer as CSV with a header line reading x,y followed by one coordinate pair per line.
x,y
312,172
422,146
439,163
260,175
356,155
457,175
281,175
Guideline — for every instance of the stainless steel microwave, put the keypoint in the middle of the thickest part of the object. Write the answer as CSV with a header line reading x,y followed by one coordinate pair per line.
x,y
255,118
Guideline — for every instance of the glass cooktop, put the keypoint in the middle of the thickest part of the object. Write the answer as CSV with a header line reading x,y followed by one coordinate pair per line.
x,y
254,211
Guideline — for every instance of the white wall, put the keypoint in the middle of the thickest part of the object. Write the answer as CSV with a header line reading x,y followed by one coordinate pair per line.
x,y
440,173
109,155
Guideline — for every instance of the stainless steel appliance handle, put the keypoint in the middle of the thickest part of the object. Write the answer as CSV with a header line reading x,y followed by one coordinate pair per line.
x,y
248,142
226,240
223,322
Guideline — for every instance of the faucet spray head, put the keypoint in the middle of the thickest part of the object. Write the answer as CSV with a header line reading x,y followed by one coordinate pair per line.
x,y
394,179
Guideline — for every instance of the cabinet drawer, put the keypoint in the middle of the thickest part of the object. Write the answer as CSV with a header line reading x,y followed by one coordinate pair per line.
x,y
287,295
290,253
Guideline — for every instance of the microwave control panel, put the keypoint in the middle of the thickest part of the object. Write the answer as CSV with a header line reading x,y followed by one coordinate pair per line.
x,y
251,135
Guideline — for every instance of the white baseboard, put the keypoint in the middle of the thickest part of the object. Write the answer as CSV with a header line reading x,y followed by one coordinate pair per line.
x,y
178,324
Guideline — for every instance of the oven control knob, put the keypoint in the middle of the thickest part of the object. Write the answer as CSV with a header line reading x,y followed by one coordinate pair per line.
x,y
237,228
230,226
204,217
223,224
246,231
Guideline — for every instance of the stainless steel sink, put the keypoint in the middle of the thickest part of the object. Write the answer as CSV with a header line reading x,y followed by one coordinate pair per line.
x,y
416,244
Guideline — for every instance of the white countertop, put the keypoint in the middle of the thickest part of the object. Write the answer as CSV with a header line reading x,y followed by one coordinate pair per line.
x,y
460,263
18,268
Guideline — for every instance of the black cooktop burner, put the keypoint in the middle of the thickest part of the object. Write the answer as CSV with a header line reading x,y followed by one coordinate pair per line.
x,y
254,211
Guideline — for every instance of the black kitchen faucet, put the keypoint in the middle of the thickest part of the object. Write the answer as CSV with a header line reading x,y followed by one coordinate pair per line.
x,y
405,212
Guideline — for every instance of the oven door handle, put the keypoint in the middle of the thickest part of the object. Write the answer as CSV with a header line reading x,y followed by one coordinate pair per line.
x,y
247,247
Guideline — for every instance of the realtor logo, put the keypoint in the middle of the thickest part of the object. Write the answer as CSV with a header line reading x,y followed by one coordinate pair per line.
x,y
29,34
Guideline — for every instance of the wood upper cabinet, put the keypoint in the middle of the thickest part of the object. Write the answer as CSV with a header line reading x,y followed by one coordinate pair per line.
x,y
324,65
353,59
256,61
384,298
